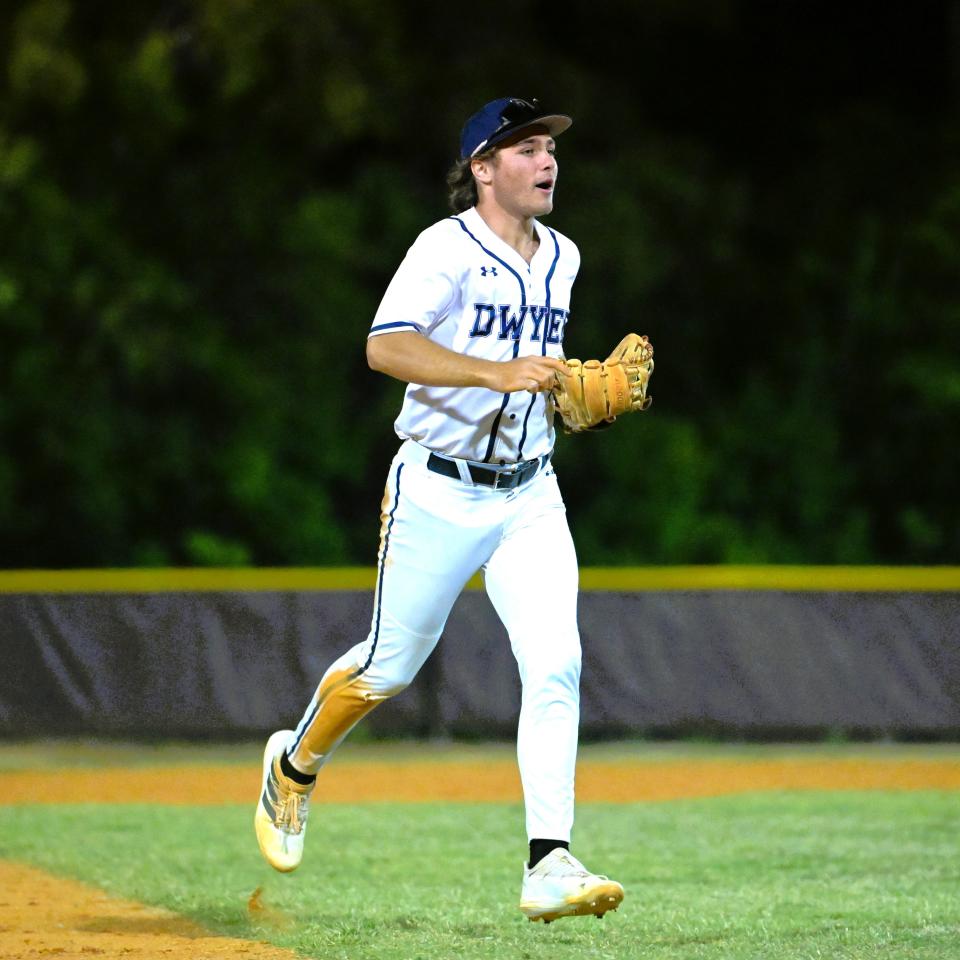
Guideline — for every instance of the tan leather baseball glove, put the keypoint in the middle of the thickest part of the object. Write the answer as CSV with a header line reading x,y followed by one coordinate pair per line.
x,y
598,392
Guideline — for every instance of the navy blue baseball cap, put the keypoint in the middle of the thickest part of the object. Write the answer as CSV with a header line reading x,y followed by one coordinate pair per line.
x,y
500,118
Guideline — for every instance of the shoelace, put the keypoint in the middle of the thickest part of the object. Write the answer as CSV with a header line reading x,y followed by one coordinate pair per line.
x,y
290,811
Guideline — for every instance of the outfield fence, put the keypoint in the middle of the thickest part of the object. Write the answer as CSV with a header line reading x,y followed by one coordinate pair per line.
x,y
741,651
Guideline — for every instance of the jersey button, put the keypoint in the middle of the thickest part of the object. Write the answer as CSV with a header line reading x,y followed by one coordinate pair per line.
x,y
513,416
503,463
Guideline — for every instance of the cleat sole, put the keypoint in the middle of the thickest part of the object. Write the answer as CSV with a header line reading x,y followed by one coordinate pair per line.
x,y
594,904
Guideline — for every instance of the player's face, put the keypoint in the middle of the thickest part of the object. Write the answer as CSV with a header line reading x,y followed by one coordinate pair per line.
x,y
524,175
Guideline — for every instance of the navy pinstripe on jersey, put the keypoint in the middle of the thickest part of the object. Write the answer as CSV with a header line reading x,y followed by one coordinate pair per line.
x,y
516,346
543,348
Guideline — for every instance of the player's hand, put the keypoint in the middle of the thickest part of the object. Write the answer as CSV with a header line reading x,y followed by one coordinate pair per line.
x,y
533,374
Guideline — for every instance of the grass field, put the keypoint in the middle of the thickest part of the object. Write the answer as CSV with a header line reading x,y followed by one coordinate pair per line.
x,y
790,875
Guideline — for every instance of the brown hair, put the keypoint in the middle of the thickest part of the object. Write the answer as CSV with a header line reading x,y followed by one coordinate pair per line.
x,y
461,185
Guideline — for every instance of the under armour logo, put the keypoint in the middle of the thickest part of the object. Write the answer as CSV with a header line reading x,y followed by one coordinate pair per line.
x,y
483,271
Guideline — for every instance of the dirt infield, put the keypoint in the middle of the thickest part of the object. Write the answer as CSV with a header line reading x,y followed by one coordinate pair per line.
x,y
43,916
496,781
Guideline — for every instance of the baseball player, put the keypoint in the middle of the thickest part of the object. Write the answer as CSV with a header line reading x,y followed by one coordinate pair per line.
x,y
473,320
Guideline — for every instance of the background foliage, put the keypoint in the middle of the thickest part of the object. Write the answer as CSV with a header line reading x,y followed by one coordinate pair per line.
x,y
202,202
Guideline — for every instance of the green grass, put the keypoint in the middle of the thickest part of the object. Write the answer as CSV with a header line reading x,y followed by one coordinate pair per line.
x,y
784,876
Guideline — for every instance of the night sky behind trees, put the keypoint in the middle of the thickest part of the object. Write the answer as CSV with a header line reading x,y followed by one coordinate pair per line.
x,y
201,204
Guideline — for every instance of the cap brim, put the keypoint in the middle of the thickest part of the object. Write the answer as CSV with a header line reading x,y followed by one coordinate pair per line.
x,y
555,123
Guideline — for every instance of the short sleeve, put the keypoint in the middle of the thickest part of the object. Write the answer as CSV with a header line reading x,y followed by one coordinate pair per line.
x,y
424,288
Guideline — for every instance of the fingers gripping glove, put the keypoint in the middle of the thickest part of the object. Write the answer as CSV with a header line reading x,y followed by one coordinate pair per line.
x,y
597,393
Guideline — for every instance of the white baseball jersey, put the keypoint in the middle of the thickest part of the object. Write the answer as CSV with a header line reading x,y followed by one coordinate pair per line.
x,y
469,291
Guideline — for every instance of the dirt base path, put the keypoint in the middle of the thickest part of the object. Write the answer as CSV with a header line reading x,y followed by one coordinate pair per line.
x,y
495,781
45,916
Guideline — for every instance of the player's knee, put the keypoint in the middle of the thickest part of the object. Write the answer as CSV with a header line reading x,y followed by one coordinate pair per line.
x,y
391,687
387,679
391,664
566,668
557,667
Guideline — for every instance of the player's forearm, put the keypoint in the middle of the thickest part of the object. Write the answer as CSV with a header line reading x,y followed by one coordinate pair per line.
x,y
413,358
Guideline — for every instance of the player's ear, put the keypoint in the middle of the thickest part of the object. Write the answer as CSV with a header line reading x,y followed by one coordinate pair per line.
x,y
482,168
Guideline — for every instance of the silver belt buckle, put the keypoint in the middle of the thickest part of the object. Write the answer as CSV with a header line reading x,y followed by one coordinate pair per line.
x,y
501,473
524,469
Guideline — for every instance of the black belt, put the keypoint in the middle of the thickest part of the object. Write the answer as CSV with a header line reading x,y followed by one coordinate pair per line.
x,y
489,476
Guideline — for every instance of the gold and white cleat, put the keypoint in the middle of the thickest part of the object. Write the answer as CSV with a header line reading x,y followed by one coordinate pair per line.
x,y
561,886
281,817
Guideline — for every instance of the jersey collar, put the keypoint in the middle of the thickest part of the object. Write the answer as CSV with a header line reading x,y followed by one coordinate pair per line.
x,y
478,226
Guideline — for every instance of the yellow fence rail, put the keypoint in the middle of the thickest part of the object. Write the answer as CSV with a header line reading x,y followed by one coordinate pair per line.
x,y
626,579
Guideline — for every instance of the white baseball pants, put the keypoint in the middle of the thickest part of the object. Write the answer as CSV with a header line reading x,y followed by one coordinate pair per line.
x,y
436,532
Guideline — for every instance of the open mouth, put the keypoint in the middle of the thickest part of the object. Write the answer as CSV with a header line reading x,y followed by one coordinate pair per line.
x,y
545,185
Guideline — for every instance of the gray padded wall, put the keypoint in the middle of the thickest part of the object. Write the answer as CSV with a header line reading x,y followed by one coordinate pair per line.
x,y
230,663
